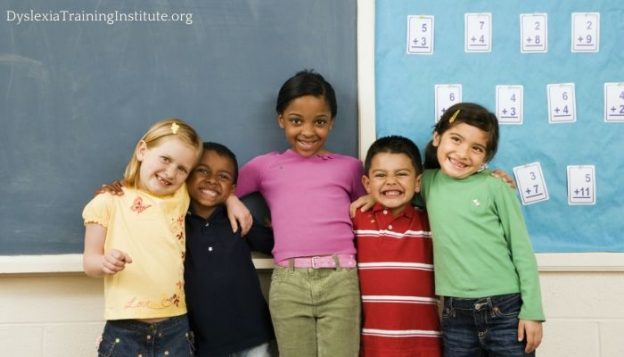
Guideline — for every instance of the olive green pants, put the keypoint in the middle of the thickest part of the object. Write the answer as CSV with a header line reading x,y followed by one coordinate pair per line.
x,y
316,312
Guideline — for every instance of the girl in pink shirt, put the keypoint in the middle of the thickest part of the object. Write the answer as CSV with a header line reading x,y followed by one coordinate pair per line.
x,y
314,296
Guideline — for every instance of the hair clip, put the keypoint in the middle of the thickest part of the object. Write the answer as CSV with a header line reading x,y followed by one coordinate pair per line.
x,y
454,116
174,127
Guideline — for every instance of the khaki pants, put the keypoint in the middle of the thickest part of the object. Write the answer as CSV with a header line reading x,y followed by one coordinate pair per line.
x,y
316,312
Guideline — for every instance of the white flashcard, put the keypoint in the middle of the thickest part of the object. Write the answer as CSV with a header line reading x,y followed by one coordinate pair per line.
x,y
420,34
614,102
478,32
561,103
581,185
509,104
585,31
531,184
445,96
534,33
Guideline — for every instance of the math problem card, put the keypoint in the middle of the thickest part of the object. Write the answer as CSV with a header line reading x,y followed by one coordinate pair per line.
x,y
585,32
478,32
561,103
509,104
445,96
420,34
614,102
581,185
531,184
534,33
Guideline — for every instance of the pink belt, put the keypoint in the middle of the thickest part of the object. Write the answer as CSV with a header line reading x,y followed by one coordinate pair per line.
x,y
318,262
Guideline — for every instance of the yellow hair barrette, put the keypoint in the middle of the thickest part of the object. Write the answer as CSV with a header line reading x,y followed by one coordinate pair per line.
x,y
174,127
454,116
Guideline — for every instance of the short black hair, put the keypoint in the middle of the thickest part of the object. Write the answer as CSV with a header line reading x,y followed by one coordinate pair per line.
x,y
306,82
224,151
394,144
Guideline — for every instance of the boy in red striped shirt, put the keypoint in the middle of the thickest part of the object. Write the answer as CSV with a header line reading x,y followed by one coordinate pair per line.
x,y
395,258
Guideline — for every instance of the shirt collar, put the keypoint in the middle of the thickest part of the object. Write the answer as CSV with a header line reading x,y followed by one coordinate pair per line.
x,y
218,211
323,156
408,212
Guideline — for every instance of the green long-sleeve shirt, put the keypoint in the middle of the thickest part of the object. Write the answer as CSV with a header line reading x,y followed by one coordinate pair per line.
x,y
481,246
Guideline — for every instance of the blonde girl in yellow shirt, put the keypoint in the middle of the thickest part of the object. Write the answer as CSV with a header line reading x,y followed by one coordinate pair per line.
x,y
136,242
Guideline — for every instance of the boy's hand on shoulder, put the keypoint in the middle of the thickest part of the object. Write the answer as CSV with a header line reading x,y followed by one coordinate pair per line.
x,y
531,331
115,261
363,203
238,214
505,177
114,188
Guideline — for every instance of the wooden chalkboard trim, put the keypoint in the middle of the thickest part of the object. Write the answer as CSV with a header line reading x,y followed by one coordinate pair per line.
x,y
72,264
547,262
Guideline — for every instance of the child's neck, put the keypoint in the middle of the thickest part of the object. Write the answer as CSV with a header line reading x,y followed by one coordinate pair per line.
x,y
203,211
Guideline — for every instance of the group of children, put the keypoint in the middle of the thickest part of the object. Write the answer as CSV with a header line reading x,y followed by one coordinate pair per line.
x,y
165,245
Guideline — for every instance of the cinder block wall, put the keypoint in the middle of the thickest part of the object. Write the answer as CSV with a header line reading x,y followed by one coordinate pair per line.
x,y
60,314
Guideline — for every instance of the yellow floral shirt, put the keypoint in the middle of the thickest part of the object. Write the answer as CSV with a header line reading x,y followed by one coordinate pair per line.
x,y
151,230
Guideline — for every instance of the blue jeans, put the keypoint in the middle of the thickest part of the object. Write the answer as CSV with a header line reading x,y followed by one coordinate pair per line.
x,y
171,337
482,327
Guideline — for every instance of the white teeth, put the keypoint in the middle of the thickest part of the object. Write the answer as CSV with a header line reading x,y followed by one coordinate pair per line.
x,y
210,193
392,193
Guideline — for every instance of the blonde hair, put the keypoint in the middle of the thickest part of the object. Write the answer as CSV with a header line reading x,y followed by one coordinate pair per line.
x,y
159,132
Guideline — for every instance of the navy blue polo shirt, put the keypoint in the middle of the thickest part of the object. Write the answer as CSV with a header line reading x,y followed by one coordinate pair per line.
x,y
227,311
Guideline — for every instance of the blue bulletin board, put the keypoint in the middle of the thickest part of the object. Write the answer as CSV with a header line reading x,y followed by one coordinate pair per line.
x,y
405,102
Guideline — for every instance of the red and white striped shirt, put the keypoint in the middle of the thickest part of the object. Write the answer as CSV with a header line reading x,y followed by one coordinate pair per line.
x,y
395,262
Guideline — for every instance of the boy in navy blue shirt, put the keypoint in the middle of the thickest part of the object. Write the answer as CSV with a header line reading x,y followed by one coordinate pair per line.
x,y
227,311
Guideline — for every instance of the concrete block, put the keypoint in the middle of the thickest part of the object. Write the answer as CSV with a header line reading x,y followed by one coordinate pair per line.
x,y
592,295
611,340
570,338
76,339
21,340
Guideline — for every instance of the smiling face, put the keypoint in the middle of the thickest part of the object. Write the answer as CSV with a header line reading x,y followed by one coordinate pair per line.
x,y
461,150
164,166
211,182
392,180
306,121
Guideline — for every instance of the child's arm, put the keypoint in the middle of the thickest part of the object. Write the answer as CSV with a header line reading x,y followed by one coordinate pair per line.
x,y
238,214
363,203
260,238
532,332
94,262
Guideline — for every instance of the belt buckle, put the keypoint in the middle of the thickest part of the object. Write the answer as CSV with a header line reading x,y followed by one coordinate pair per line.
x,y
314,258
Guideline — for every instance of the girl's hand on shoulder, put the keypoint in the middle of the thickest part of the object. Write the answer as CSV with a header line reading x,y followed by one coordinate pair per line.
x,y
505,177
115,261
363,203
114,188
531,331
238,214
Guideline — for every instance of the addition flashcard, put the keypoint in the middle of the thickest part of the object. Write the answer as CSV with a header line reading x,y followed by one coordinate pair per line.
x,y
614,102
509,104
531,184
478,32
585,32
561,103
534,33
445,96
581,185
420,34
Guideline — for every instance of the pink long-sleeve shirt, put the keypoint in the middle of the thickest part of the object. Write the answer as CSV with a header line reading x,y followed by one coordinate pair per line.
x,y
309,200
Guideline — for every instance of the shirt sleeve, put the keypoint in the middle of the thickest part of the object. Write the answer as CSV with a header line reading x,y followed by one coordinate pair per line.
x,y
249,177
98,210
357,188
260,238
520,249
